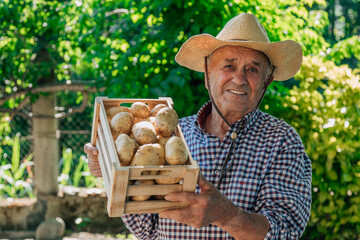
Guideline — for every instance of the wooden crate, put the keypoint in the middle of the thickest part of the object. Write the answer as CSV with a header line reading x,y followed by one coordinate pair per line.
x,y
116,177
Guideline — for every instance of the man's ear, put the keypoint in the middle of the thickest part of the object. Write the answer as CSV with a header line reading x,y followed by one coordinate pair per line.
x,y
270,78
205,72
268,81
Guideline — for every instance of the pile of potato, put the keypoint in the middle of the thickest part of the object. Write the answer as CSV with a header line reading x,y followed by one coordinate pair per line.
x,y
145,137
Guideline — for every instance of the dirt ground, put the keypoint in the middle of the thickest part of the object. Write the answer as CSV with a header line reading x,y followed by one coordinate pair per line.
x,y
30,235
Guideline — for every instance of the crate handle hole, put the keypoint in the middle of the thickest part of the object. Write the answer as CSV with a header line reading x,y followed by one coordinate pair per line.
x,y
165,173
153,173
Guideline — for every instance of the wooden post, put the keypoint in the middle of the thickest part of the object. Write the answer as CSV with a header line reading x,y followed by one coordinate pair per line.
x,y
46,146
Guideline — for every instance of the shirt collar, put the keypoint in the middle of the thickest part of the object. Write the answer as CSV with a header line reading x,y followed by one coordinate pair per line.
x,y
205,110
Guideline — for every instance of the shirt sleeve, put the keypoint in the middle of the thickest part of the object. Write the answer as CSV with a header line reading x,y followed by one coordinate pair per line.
x,y
143,226
285,196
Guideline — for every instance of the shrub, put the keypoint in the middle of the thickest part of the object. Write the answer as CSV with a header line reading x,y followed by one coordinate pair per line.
x,y
324,109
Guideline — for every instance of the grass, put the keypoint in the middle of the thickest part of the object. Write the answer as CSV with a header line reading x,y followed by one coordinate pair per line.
x,y
16,177
75,173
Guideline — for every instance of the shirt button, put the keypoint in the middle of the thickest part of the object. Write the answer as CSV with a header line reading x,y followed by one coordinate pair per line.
x,y
216,172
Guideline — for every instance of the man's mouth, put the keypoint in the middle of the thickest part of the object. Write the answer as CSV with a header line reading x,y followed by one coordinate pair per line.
x,y
237,92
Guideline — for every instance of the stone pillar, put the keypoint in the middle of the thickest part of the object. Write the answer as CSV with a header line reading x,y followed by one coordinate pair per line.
x,y
46,146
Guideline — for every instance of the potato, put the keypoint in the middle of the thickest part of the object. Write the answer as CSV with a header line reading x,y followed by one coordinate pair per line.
x,y
166,121
140,110
144,133
175,151
149,155
157,108
114,135
122,123
112,111
152,120
131,135
136,120
137,145
125,148
162,140
142,197
159,197
166,180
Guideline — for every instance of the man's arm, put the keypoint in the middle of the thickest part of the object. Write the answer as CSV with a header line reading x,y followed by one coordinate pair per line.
x,y
211,206
282,206
285,196
143,226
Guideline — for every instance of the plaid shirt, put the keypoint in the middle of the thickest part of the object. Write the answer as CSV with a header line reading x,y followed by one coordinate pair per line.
x,y
270,175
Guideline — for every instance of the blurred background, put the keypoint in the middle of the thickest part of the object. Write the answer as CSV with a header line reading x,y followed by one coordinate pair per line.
x,y
57,56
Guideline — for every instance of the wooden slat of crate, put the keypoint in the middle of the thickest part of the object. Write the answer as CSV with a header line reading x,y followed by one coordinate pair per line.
x,y
117,198
150,206
150,189
96,127
105,175
151,102
114,159
104,154
176,172
190,180
104,144
117,177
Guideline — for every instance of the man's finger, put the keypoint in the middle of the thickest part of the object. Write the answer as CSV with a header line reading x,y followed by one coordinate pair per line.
x,y
201,179
96,172
92,158
203,183
176,214
184,197
90,149
94,165
171,214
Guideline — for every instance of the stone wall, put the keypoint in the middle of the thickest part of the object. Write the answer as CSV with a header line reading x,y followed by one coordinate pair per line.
x,y
80,208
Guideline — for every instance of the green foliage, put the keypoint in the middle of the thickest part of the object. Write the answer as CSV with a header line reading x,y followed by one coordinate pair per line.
x,y
347,50
131,44
324,109
14,179
76,173
155,30
4,126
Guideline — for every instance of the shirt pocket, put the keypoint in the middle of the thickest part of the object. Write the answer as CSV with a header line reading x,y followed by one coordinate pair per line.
x,y
243,192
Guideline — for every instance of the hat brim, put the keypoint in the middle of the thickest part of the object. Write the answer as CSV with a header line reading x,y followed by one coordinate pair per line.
x,y
286,55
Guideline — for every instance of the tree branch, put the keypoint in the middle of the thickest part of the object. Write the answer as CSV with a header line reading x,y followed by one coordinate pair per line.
x,y
21,105
49,89
85,89
73,110
16,112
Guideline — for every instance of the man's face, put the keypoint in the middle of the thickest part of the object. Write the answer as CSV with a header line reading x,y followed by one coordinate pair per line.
x,y
237,77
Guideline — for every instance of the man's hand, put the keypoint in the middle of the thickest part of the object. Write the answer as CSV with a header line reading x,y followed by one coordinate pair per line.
x,y
210,206
93,162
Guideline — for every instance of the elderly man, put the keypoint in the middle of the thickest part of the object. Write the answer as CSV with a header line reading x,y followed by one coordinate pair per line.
x,y
256,176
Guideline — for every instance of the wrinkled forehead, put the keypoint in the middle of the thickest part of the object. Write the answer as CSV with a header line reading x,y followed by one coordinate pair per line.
x,y
227,50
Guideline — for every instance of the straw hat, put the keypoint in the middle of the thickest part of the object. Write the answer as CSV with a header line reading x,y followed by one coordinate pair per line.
x,y
243,30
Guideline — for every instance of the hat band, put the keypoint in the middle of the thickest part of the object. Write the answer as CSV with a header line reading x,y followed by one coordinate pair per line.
x,y
237,39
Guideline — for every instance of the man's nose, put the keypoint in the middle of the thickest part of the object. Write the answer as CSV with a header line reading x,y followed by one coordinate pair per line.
x,y
240,77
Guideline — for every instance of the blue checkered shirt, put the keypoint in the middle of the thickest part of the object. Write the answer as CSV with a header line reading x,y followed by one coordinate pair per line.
x,y
270,175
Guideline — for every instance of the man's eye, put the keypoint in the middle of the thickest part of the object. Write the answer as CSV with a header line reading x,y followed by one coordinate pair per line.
x,y
253,70
228,66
